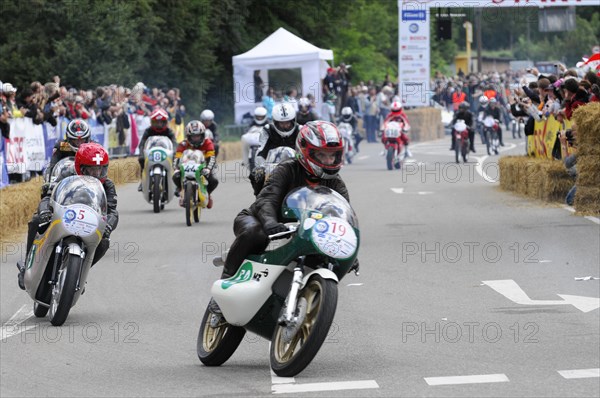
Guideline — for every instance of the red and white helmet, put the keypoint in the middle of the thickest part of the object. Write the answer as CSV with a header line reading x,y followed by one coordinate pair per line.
x,y
159,120
396,107
92,160
320,149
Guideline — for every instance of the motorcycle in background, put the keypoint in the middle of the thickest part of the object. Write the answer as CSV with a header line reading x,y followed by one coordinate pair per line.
x,y
518,124
250,146
490,132
157,185
287,295
393,144
346,131
58,263
461,140
193,184
262,172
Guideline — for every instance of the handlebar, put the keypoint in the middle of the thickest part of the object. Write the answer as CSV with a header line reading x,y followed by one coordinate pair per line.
x,y
291,229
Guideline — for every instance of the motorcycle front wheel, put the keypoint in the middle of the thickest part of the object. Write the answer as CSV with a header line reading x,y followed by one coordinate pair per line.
x,y
156,183
290,358
215,345
456,151
63,292
188,199
390,158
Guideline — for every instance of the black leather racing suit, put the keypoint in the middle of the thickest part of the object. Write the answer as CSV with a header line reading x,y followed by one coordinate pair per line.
x,y
250,224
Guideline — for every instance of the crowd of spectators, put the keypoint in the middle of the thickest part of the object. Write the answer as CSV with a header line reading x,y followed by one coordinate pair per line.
x,y
47,102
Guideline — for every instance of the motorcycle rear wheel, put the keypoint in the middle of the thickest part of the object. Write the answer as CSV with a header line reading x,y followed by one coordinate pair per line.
x,y
289,359
63,292
216,345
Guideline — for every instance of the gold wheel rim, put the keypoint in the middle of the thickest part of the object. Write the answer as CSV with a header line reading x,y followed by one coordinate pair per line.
x,y
213,336
285,352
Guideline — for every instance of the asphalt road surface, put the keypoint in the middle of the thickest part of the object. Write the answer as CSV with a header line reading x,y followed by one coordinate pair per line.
x,y
465,290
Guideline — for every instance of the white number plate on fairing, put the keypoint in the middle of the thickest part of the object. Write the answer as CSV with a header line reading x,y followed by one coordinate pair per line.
x,y
80,220
334,237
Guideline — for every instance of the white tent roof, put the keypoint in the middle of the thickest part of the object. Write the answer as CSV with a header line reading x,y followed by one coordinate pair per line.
x,y
281,45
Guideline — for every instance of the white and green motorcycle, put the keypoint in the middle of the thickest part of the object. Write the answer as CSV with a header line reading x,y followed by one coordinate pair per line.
x,y
287,295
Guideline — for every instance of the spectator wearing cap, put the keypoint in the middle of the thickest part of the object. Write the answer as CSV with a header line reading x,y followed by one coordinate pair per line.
x,y
575,96
4,115
9,92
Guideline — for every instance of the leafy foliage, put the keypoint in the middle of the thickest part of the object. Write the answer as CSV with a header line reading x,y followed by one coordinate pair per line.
x,y
189,43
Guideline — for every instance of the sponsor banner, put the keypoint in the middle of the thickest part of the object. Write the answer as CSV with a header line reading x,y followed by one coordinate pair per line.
x,y
541,143
26,149
3,172
413,60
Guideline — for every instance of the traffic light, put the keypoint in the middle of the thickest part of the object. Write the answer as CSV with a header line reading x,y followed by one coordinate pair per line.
x,y
444,29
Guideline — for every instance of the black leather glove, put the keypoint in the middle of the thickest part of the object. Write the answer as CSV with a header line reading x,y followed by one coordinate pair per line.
x,y
272,229
107,231
45,216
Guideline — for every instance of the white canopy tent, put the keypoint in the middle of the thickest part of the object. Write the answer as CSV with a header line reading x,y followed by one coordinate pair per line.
x,y
281,50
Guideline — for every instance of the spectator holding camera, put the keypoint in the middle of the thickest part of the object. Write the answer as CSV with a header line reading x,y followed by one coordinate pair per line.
x,y
568,145
575,96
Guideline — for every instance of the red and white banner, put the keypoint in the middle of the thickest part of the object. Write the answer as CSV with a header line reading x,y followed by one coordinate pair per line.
x,y
26,150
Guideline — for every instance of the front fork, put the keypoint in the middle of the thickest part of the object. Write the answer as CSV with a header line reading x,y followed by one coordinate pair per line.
x,y
288,316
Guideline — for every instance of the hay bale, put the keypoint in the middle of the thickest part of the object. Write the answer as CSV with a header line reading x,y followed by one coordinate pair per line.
x,y
528,176
230,151
588,150
18,202
556,182
587,200
588,171
588,128
124,170
506,173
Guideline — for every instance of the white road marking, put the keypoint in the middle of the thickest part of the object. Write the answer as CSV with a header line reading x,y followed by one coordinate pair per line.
x,y
362,157
354,284
472,379
333,386
587,278
579,373
11,327
545,261
401,190
512,291
592,219
281,380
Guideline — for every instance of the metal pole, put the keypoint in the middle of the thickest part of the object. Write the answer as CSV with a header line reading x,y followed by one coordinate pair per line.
x,y
478,32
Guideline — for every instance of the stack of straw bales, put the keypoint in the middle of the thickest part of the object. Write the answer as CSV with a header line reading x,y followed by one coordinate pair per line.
x,y
587,198
536,178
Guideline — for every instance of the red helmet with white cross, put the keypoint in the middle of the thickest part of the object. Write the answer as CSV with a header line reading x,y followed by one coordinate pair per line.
x,y
92,160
